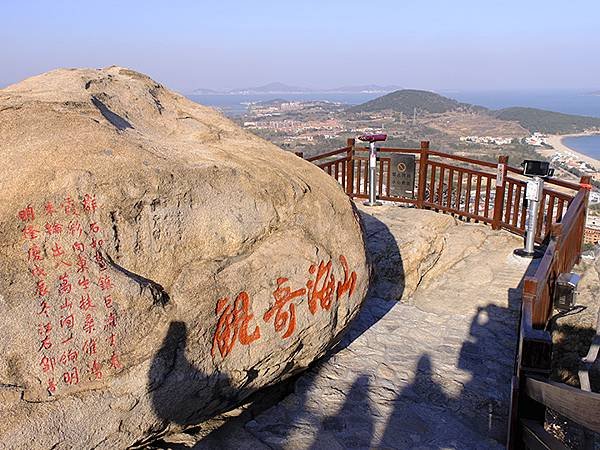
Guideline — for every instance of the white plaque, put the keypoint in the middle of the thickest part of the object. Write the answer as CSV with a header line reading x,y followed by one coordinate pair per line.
x,y
500,176
533,191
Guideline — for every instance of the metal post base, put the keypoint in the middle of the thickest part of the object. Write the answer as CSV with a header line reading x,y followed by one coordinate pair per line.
x,y
367,203
523,253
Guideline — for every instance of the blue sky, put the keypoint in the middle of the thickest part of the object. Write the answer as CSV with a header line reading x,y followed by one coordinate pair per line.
x,y
222,44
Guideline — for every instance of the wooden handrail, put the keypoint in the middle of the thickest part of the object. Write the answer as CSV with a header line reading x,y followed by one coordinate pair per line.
x,y
462,169
462,159
555,181
580,406
328,154
579,202
415,151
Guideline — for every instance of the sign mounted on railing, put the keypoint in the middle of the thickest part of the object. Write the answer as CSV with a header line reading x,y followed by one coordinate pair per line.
x,y
500,176
402,175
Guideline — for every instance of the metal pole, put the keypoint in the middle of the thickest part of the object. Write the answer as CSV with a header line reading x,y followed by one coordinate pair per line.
x,y
533,212
533,194
372,175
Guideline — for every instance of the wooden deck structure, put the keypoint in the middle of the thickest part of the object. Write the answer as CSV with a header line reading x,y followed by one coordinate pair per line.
x,y
493,193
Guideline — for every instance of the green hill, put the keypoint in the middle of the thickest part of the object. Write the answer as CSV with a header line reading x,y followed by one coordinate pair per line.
x,y
547,121
406,100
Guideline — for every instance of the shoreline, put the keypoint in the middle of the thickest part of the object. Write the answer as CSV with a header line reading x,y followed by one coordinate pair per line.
x,y
556,141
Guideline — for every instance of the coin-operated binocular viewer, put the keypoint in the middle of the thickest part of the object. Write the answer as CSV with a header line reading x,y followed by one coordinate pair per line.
x,y
537,171
371,139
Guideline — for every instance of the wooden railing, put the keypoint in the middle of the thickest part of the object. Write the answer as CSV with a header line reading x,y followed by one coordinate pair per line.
x,y
532,392
484,191
493,193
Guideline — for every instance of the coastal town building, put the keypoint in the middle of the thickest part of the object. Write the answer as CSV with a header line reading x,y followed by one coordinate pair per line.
x,y
487,140
591,235
536,139
592,230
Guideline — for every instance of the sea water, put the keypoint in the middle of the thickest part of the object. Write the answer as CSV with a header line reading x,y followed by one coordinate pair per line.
x,y
588,145
578,102
237,105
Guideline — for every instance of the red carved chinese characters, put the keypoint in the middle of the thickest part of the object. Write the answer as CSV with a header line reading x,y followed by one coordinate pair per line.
x,y
284,298
76,316
321,290
232,325
89,203
30,232
27,214
349,282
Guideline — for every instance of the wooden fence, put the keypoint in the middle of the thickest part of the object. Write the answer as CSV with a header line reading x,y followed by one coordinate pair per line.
x,y
480,190
493,193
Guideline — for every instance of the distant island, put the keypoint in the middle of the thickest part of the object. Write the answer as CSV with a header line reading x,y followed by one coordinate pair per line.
x,y
409,116
410,101
281,88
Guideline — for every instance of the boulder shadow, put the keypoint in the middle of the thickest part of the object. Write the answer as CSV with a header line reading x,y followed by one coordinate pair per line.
x,y
386,279
176,386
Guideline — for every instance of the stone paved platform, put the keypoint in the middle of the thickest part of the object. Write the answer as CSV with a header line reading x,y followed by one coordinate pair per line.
x,y
428,362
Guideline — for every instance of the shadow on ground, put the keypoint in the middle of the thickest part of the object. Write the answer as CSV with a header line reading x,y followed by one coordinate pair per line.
x,y
422,413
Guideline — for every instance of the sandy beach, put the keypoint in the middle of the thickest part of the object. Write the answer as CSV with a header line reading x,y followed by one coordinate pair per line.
x,y
556,141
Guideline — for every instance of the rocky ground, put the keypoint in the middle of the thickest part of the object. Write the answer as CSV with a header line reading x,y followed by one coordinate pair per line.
x,y
428,362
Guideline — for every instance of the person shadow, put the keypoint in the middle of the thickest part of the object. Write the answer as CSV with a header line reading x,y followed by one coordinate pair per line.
x,y
426,415
180,393
385,289
421,414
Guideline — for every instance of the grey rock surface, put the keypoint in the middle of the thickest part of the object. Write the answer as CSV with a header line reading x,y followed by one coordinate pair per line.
x,y
430,371
158,264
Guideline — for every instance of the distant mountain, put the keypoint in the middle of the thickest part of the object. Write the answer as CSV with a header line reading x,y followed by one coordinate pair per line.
x,y
281,88
595,93
407,100
550,122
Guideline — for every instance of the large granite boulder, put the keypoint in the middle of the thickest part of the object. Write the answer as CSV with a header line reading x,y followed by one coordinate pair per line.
x,y
157,263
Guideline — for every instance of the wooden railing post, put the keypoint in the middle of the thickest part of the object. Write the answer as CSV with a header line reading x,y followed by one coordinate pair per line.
x,y
585,183
500,186
350,167
423,159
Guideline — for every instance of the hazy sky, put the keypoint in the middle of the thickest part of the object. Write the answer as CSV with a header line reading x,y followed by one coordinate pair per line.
x,y
428,44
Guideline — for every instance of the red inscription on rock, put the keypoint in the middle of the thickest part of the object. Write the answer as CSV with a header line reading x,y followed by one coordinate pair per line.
x,y
320,291
63,252
284,307
232,325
